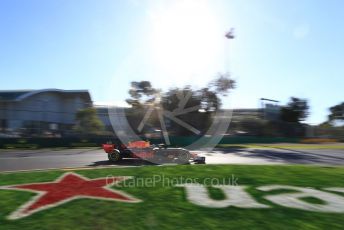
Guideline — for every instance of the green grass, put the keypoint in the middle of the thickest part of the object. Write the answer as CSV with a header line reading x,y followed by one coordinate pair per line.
x,y
166,207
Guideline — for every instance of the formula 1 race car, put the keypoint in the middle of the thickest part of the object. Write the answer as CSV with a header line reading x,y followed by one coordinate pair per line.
x,y
154,153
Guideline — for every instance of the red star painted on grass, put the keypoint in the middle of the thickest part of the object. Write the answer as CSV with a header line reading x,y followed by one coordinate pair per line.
x,y
69,186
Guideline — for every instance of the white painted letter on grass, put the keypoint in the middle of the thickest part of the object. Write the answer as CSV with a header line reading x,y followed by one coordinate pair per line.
x,y
234,196
332,202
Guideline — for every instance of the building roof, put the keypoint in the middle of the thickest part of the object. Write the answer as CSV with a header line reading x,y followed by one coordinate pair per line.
x,y
10,95
18,95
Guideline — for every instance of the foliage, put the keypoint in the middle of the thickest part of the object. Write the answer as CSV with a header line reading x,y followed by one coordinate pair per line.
x,y
140,93
222,84
337,112
87,122
295,111
194,106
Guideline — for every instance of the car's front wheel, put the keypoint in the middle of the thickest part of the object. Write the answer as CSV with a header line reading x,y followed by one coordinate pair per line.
x,y
114,156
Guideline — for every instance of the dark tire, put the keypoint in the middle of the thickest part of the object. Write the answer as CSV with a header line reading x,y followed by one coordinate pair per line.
x,y
183,157
115,156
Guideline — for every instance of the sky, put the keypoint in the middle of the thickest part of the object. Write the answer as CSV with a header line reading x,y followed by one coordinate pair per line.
x,y
281,48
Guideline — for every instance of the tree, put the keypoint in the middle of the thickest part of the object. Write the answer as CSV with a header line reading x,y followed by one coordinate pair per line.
x,y
222,84
140,93
193,106
187,103
207,98
201,104
337,113
295,111
87,122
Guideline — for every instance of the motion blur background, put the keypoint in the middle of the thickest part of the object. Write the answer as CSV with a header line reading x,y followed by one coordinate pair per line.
x,y
64,63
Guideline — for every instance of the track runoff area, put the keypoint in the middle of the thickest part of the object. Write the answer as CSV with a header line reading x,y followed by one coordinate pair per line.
x,y
175,196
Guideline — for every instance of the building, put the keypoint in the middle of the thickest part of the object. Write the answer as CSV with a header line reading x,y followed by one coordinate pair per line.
x,y
103,115
36,111
248,113
112,114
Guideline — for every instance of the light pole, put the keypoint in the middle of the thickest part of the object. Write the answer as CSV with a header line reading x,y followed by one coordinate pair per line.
x,y
229,35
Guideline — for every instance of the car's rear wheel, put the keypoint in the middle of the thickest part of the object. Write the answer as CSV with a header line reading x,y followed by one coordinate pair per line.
x,y
114,156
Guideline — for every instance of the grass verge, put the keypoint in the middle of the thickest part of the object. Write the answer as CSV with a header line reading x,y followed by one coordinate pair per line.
x,y
165,206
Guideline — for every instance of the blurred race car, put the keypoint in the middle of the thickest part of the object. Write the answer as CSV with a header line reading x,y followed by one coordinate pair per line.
x,y
154,153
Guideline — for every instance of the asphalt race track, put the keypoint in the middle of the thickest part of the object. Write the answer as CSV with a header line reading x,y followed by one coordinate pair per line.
x,y
13,160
